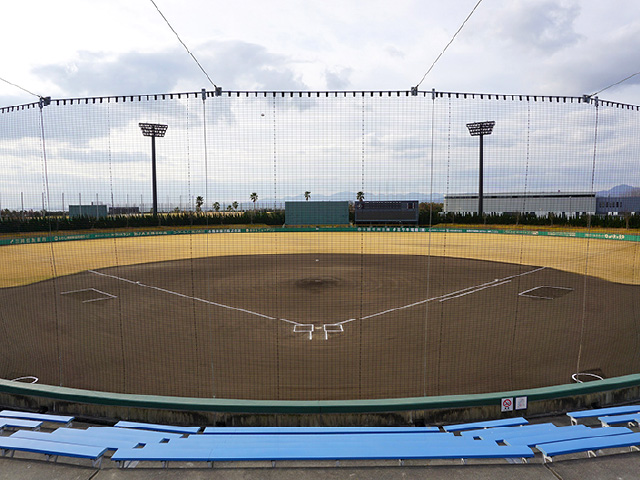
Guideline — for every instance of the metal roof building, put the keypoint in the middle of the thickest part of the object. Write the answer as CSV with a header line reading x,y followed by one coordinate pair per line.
x,y
569,203
618,205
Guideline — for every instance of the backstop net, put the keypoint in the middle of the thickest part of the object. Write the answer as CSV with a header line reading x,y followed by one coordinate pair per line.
x,y
144,244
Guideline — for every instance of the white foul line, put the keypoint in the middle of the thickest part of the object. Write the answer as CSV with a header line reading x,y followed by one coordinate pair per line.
x,y
442,298
448,296
194,298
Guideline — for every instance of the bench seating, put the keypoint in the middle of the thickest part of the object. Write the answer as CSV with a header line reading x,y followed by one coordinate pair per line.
x,y
345,439
93,441
561,434
39,417
19,423
628,418
503,422
265,447
52,450
601,412
498,434
114,432
157,428
313,430
589,445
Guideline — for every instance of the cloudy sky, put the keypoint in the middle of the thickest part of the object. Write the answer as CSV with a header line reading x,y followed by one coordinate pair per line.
x,y
74,48
82,48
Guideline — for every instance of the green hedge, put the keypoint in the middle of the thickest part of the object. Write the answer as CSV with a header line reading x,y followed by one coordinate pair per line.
x,y
65,223
58,222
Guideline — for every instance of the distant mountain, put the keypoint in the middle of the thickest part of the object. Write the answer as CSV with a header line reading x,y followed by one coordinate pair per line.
x,y
620,191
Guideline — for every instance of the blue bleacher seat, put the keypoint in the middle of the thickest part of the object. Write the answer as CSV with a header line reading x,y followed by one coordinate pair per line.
x,y
627,418
601,412
78,439
131,433
561,434
211,448
313,430
498,434
41,417
52,449
591,444
503,422
156,427
19,423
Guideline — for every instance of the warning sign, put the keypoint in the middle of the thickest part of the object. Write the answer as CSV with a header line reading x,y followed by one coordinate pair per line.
x,y
507,405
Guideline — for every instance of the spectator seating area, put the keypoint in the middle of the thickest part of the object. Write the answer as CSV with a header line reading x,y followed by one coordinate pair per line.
x,y
129,443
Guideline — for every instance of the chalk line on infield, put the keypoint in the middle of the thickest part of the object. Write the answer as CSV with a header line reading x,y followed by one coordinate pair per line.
x,y
104,295
336,327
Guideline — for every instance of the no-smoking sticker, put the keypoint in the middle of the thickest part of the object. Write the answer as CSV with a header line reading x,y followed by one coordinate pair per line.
x,y
507,404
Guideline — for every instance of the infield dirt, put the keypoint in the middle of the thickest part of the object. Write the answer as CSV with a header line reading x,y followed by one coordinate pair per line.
x,y
413,325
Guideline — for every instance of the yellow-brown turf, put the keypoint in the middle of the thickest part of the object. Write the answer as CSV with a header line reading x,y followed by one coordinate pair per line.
x,y
611,260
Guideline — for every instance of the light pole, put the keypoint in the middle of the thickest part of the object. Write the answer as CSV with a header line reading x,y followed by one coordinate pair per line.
x,y
480,129
153,130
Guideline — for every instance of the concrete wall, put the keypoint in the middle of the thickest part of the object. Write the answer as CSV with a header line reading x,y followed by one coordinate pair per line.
x,y
316,213
95,211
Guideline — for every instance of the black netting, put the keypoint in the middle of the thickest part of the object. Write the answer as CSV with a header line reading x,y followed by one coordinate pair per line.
x,y
259,276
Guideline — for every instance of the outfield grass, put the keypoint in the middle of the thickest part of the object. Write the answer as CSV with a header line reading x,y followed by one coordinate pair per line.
x,y
612,260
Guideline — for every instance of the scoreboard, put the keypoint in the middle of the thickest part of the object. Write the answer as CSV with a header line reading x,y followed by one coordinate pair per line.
x,y
401,211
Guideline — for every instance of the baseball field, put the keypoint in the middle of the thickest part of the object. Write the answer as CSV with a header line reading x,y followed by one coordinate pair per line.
x,y
319,315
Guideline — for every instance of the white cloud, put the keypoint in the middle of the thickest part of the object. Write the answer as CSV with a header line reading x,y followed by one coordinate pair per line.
x,y
532,46
542,26
80,48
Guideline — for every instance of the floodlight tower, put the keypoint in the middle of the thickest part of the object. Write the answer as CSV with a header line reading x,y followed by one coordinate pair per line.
x,y
480,129
153,130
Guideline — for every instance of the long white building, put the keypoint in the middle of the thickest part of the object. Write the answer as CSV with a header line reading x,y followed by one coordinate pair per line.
x,y
569,203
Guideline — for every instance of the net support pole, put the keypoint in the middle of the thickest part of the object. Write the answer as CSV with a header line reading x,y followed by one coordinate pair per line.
x,y
480,129
153,130
480,179
154,181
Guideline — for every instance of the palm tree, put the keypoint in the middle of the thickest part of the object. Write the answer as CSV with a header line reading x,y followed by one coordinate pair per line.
x,y
235,205
216,206
307,195
229,208
254,199
199,202
360,196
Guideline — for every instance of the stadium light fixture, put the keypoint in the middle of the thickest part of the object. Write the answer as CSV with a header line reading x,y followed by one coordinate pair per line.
x,y
480,129
153,130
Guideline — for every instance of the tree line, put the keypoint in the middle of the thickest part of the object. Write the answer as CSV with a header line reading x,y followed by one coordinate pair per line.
x,y
430,214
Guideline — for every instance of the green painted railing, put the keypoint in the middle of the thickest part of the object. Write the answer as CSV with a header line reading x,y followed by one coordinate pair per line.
x,y
316,406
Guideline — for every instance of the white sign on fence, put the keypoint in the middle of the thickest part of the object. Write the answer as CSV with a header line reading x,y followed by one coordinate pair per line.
x,y
521,403
507,404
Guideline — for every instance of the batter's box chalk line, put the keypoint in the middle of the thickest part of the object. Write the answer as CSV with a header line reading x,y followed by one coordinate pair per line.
x,y
332,328
327,328
304,328
546,292
91,294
